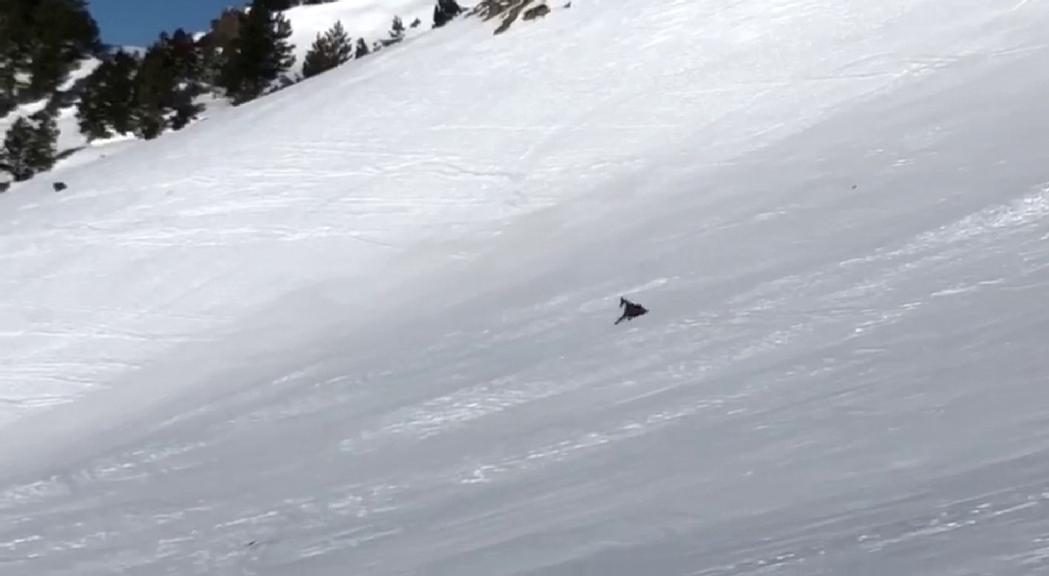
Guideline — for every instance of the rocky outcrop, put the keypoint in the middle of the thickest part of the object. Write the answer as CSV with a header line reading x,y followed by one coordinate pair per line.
x,y
508,11
536,12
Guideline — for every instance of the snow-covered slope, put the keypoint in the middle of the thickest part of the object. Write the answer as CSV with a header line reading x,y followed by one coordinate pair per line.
x,y
364,325
366,19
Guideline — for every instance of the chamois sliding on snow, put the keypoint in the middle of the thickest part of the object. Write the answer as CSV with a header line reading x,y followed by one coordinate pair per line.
x,y
631,310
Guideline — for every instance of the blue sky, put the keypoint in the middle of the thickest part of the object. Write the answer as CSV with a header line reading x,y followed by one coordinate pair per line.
x,y
139,22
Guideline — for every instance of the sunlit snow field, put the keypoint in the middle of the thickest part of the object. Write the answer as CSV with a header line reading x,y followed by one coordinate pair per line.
x,y
364,325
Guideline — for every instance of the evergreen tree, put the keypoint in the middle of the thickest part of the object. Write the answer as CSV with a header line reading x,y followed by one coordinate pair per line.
x,y
190,68
9,58
187,57
108,97
445,11
278,5
14,155
30,146
8,86
362,49
153,88
44,149
396,31
259,55
40,42
328,51
166,84
216,46
62,32
15,36
185,108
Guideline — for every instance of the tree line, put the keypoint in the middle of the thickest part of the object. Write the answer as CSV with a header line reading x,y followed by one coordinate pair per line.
x,y
244,55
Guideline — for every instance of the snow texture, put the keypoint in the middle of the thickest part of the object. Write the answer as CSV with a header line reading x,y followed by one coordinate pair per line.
x,y
363,326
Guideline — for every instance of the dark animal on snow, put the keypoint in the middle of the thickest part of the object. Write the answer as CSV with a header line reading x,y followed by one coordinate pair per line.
x,y
59,186
630,310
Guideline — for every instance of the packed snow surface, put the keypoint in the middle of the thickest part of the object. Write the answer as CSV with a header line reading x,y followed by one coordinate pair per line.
x,y
364,325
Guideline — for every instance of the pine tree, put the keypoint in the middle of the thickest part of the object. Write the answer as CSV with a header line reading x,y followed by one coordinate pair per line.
x,y
153,88
44,149
445,11
188,60
14,155
396,31
166,85
259,55
108,96
30,146
40,42
9,59
278,5
328,51
362,49
8,86
62,31
185,108
216,46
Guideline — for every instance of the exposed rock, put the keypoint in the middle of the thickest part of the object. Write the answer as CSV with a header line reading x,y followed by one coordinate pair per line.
x,y
536,12
59,186
511,16
488,9
509,11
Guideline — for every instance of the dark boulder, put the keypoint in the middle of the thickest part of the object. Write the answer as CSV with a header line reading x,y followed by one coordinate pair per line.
x,y
536,12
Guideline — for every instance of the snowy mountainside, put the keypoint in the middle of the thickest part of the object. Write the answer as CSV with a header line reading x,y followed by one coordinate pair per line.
x,y
364,325
408,157
367,19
